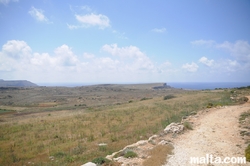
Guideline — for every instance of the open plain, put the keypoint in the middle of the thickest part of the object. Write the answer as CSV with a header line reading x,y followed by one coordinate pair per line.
x,y
71,126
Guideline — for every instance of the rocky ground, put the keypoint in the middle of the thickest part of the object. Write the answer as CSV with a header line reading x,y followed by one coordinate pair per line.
x,y
215,131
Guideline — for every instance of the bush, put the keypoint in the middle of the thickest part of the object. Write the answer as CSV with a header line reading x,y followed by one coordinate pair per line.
x,y
168,97
130,154
144,98
247,153
126,153
188,125
59,154
244,115
243,99
100,160
209,105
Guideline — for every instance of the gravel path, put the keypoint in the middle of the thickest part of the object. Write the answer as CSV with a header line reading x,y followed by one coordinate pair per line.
x,y
215,133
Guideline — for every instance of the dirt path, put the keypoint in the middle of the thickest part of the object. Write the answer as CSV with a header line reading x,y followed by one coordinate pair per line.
x,y
215,133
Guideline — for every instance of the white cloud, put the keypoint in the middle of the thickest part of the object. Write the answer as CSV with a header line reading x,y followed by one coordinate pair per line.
x,y
240,49
65,56
88,55
38,15
86,8
17,58
206,61
73,26
90,20
139,60
193,67
16,49
167,63
228,66
208,43
5,2
124,52
106,63
159,30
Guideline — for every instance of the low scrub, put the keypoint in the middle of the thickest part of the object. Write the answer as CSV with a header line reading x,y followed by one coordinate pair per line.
x,y
244,115
101,160
145,98
210,105
188,125
72,136
247,153
243,100
130,154
126,153
168,97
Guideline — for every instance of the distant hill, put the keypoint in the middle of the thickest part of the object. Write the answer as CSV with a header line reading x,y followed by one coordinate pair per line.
x,y
16,83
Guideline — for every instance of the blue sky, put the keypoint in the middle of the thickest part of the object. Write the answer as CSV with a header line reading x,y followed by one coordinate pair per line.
x,y
125,41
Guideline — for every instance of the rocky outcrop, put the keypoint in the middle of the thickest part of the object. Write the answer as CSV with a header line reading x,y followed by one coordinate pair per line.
x,y
89,164
164,86
174,128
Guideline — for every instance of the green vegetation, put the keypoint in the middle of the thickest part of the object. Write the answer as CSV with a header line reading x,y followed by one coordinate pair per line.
x,y
247,153
188,125
130,154
5,111
101,160
242,100
168,97
145,98
244,115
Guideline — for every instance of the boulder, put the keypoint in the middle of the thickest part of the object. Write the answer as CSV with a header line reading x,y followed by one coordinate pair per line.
x,y
89,164
174,128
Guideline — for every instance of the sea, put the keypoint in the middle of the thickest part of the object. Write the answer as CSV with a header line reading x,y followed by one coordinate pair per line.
x,y
207,85
178,85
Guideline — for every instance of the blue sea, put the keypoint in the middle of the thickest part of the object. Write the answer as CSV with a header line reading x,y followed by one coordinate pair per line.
x,y
178,85
207,85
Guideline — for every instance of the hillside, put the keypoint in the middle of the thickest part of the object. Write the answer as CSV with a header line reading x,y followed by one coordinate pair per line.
x,y
16,83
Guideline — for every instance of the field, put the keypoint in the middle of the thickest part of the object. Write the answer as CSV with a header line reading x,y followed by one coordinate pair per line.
x,y
64,126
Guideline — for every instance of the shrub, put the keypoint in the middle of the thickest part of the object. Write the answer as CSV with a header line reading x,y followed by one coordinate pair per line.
x,y
103,148
59,154
144,98
130,154
247,153
243,99
188,125
168,97
244,115
100,160
126,153
209,105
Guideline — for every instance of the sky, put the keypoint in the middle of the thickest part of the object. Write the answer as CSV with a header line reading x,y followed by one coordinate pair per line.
x,y
132,41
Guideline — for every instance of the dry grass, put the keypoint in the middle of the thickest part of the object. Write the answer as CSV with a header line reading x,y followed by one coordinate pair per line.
x,y
158,155
69,136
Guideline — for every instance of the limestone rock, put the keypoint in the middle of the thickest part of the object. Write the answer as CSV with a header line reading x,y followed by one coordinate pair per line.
x,y
89,164
174,128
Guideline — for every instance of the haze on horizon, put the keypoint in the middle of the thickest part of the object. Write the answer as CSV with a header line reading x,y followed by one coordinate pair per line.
x,y
125,41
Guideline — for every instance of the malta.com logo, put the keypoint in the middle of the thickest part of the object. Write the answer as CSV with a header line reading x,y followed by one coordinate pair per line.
x,y
210,159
